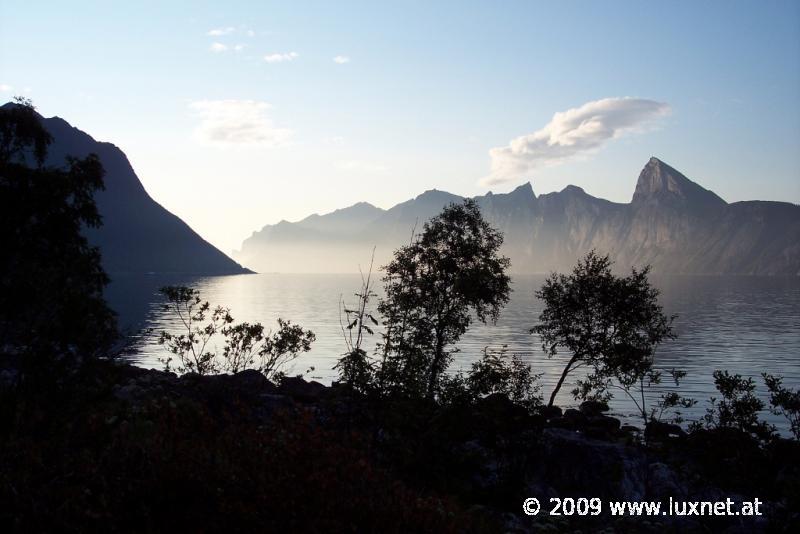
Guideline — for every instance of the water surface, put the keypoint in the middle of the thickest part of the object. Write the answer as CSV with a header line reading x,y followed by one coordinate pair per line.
x,y
747,325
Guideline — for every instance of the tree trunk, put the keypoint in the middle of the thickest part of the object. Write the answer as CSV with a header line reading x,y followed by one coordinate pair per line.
x,y
561,380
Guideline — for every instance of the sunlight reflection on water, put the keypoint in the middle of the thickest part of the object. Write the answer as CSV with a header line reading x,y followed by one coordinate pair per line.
x,y
747,325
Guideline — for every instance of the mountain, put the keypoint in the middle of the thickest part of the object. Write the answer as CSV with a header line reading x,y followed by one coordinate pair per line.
x,y
138,235
671,223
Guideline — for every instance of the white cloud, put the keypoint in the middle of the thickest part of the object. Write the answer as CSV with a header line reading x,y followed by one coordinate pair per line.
x,y
217,32
5,88
571,133
239,47
218,47
280,58
250,33
341,60
237,123
360,166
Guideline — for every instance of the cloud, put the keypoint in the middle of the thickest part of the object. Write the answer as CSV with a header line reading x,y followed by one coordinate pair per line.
x,y
5,88
571,133
237,123
360,166
218,47
239,47
218,32
341,60
280,58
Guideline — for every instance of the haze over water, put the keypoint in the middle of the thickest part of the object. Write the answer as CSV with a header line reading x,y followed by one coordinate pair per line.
x,y
747,325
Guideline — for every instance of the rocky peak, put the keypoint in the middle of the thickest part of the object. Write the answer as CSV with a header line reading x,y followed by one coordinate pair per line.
x,y
659,183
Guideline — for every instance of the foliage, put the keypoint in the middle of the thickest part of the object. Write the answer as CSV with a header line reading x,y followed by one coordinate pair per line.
x,y
434,287
737,409
610,324
355,368
51,279
246,345
784,401
496,372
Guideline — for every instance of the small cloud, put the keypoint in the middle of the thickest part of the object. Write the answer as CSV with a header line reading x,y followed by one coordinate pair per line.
x,y
218,47
237,123
280,58
572,133
5,88
250,33
239,47
361,166
218,32
341,60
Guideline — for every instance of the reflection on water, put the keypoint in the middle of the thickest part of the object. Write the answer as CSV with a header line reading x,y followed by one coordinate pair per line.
x,y
747,325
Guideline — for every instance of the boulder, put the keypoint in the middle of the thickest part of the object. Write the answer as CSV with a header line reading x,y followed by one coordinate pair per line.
x,y
297,388
591,407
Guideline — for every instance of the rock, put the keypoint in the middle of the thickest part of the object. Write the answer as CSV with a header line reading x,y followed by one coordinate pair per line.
x,y
591,407
297,388
574,464
574,419
663,482
549,412
498,405
602,427
659,431
253,381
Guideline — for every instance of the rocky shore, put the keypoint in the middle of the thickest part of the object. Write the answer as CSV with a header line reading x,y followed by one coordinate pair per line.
x,y
492,455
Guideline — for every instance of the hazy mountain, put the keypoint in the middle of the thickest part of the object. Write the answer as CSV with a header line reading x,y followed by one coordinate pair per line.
x,y
672,223
138,235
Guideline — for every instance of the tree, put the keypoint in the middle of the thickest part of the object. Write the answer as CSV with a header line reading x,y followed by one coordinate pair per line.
x,y
784,401
610,324
51,280
246,345
737,409
434,287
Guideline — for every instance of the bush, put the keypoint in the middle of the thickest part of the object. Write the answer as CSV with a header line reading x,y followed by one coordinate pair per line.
x,y
246,345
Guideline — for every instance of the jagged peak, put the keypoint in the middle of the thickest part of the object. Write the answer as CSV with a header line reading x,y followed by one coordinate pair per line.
x,y
659,180
524,189
573,189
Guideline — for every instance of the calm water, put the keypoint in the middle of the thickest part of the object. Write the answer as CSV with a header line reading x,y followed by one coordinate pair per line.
x,y
747,325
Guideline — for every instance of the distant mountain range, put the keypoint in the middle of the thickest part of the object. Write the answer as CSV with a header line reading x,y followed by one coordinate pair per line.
x,y
671,223
138,234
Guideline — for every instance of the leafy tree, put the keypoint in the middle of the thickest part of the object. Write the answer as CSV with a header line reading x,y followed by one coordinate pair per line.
x,y
610,324
434,287
738,408
495,372
246,345
51,280
784,401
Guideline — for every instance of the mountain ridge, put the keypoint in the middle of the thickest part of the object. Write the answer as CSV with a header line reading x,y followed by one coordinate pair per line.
x,y
672,223
138,234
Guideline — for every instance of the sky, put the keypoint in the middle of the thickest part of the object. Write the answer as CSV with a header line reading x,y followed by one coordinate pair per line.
x,y
240,114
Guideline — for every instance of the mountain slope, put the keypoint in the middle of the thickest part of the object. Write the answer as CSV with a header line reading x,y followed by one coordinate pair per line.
x,y
671,223
138,234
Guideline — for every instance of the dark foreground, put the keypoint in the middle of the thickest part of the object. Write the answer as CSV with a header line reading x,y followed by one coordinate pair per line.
x,y
116,448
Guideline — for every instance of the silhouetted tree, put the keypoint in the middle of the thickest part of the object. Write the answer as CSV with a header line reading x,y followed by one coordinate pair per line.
x,y
737,409
784,401
51,280
496,372
246,345
610,324
433,287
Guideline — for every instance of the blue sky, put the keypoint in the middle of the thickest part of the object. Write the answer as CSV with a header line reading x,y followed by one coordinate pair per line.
x,y
236,114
